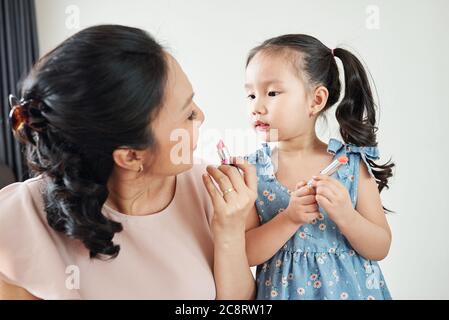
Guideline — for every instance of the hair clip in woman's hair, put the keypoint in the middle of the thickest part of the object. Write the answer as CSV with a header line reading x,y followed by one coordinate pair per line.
x,y
26,118
18,116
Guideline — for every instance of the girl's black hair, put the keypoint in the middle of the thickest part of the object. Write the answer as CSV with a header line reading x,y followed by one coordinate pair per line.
x,y
97,91
356,113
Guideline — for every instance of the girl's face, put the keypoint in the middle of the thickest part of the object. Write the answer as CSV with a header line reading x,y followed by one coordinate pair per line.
x,y
279,97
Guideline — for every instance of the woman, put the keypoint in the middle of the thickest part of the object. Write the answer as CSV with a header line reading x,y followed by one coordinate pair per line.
x,y
113,213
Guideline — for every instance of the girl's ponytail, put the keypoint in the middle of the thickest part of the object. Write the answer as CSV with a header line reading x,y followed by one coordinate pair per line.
x,y
356,113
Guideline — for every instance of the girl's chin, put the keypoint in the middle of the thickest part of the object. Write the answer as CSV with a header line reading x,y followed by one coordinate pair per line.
x,y
268,136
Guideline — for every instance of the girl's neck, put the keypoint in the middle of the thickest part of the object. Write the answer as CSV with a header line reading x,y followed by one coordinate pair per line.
x,y
298,159
300,145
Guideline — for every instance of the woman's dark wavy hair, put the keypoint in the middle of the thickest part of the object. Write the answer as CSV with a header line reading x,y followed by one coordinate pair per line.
x,y
99,90
356,113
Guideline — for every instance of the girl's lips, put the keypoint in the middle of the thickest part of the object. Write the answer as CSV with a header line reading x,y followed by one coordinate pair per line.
x,y
262,126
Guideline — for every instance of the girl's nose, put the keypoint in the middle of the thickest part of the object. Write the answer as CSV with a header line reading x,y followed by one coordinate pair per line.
x,y
259,109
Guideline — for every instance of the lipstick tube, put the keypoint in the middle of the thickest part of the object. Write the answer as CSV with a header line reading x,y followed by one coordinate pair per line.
x,y
223,153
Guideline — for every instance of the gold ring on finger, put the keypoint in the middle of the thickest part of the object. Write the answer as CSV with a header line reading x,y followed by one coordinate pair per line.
x,y
228,191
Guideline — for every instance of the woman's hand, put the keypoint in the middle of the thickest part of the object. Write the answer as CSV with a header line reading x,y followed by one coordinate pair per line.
x,y
334,198
232,201
234,197
303,208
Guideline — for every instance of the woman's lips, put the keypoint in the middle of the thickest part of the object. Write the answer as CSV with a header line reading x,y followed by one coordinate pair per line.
x,y
261,126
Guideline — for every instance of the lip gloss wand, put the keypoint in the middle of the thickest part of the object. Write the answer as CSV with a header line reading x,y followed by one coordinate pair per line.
x,y
332,168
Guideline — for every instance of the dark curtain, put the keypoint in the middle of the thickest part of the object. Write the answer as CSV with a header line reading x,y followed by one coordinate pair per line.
x,y
18,52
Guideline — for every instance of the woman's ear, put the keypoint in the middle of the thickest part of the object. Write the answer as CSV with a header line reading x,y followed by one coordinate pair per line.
x,y
128,159
319,101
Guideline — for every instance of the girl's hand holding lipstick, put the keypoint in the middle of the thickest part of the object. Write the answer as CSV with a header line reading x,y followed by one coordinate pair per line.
x,y
334,198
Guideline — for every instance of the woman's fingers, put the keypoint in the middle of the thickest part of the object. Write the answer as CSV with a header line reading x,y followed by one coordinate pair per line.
x,y
249,172
222,180
214,193
234,176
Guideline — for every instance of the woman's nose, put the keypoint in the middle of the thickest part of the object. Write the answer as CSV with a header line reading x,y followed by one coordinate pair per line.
x,y
201,116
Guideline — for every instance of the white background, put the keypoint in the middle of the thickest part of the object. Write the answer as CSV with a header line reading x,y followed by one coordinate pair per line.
x,y
407,55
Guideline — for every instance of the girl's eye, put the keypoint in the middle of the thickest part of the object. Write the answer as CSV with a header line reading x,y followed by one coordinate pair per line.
x,y
251,97
273,93
193,115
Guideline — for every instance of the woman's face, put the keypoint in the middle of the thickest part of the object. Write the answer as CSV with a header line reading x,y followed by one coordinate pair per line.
x,y
175,127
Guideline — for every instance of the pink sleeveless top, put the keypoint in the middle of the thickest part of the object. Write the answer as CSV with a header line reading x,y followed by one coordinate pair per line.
x,y
168,255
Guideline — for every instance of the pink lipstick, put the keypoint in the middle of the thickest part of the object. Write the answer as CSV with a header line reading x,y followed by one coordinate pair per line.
x,y
223,153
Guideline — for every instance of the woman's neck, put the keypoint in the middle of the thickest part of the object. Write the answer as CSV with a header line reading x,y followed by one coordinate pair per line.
x,y
143,195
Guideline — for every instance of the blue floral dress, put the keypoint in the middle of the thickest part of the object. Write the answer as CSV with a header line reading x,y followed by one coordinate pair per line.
x,y
317,262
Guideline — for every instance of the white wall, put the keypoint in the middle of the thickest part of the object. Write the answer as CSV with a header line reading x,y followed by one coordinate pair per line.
x,y
407,56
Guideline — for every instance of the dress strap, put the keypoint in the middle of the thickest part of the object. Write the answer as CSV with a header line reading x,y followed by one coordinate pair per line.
x,y
262,160
337,147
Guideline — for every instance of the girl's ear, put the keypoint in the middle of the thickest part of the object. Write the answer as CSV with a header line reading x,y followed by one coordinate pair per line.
x,y
319,101
128,159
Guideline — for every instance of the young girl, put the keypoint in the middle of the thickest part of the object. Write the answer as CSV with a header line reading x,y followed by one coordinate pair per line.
x,y
323,241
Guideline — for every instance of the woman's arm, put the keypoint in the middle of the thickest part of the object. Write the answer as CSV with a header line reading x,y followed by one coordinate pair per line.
x,y
233,277
366,226
10,292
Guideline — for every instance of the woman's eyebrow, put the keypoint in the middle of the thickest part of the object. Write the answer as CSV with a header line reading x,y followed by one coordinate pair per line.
x,y
188,101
